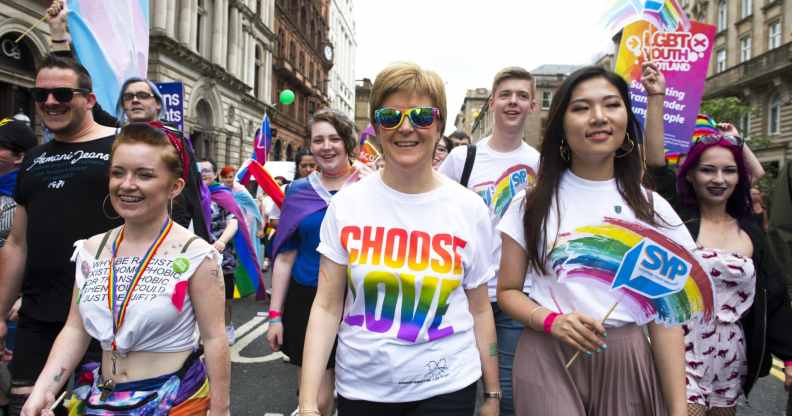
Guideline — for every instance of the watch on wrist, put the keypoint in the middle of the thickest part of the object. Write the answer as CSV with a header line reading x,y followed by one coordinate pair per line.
x,y
493,395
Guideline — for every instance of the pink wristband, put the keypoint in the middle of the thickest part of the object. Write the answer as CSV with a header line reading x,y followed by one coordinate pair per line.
x,y
548,322
273,314
787,363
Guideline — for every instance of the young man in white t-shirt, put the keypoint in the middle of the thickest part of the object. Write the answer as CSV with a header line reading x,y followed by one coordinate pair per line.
x,y
503,166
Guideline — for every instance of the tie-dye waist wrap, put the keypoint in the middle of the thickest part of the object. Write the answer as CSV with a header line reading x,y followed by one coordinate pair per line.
x,y
185,392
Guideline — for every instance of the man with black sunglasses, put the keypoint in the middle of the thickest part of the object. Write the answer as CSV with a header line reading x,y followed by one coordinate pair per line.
x,y
60,191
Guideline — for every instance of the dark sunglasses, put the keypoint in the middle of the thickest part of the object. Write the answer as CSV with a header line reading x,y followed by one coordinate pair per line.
x,y
140,95
420,117
62,94
731,139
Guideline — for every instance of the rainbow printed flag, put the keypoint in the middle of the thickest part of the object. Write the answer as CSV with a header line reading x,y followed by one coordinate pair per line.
x,y
111,39
666,15
621,13
650,275
248,273
705,126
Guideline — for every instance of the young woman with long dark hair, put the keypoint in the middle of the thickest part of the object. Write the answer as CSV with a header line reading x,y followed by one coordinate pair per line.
x,y
589,185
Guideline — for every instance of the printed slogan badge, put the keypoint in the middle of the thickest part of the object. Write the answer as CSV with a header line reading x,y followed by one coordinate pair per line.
x,y
651,270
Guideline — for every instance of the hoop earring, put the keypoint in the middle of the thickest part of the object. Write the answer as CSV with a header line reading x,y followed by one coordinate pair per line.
x,y
627,151
564,151
104,210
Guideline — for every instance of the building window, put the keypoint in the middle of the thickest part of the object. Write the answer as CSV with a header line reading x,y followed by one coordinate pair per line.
x,y
723,15
258,73
720,60
200,24
745,48
774,113
745,125
774,35
258,8
746,8
547,98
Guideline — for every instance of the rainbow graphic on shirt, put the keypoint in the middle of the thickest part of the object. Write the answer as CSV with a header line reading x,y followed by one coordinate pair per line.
x,y
410,272
498,194
654,278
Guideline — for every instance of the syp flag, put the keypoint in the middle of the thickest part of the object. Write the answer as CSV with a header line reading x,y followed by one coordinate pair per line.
x,y
683,56
111,39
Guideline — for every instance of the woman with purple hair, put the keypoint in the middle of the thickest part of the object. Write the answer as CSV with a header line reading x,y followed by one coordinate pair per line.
x,y
726,355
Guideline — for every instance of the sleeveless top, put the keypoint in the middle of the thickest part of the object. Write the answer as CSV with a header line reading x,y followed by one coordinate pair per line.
x,y
734,279
160,315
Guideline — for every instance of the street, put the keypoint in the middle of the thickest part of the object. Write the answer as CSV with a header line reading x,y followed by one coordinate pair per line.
x,y
262,384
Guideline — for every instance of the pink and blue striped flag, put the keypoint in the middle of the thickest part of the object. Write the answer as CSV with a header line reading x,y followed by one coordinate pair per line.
x,y
111,39
621,13
666,15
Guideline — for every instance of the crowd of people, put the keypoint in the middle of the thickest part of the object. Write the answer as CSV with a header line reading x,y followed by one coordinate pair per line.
x,y
395,289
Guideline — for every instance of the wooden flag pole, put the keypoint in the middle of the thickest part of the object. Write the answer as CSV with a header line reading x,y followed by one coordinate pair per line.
x,y
33,26
605,318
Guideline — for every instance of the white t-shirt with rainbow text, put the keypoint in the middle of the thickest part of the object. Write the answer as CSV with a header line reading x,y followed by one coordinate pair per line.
x,y
407,333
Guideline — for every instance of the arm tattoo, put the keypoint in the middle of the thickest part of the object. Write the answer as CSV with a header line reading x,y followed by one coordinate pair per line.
x,y
493,350
59,376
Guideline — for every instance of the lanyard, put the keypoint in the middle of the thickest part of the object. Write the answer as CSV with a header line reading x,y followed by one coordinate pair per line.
x,y
119,312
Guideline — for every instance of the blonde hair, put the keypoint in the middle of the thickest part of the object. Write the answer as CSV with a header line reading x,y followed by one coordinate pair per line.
x,y
513,72
410,78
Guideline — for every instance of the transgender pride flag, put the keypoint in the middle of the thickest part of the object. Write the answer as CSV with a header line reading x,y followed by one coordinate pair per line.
x,y
111,39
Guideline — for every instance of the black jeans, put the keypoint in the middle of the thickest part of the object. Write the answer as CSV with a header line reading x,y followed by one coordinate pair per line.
x,y
458,403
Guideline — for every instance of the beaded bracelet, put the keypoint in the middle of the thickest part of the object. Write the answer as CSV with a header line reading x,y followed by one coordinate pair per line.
x,y
308,412
530,315
275,320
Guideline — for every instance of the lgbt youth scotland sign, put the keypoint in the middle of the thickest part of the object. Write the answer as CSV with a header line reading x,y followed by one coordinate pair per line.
x,y
683,56
173,102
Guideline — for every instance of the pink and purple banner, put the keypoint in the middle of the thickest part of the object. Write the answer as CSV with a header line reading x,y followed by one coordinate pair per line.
x,y
684,57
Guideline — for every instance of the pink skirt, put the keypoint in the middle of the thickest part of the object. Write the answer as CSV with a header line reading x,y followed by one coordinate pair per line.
x,y
620,381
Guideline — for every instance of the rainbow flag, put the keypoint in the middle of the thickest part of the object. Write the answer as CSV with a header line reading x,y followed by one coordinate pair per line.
x,y
666,15
248,273
111,39
705,126
621,13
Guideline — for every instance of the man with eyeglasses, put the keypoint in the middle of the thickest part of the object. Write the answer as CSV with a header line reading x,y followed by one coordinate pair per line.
x,y
497,168
61,187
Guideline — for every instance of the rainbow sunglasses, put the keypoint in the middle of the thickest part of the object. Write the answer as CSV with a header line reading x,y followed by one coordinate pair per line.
x,y
420,117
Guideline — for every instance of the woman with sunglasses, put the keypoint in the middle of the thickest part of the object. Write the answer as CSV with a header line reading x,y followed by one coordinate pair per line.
x,y
403,270
140,290
295,272
561,237
727,355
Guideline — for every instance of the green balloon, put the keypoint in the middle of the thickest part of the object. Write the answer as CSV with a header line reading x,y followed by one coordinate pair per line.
x,y
286,97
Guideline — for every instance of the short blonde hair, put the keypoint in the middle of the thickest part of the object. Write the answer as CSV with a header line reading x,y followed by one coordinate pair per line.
x,y
514,72
410,78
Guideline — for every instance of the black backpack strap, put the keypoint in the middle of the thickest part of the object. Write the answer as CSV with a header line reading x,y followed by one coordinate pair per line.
x,y
102,244
187,244
469,159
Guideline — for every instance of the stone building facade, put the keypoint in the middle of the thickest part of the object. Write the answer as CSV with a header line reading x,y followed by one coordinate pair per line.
x,y
752,60
472,104
341,91
362,105
220,49
302,62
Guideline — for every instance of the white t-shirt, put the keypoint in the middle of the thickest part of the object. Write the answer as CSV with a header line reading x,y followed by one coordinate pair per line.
x,y
407,332
160,315
497,178
597,229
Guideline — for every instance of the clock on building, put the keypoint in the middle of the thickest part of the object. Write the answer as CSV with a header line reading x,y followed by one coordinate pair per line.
x,y
328,52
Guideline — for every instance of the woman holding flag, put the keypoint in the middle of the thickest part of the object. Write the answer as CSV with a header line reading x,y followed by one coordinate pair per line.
x,y
140,289
569,236
295,271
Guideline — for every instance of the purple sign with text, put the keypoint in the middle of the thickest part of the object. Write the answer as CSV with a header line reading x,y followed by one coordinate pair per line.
x,y
683,57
